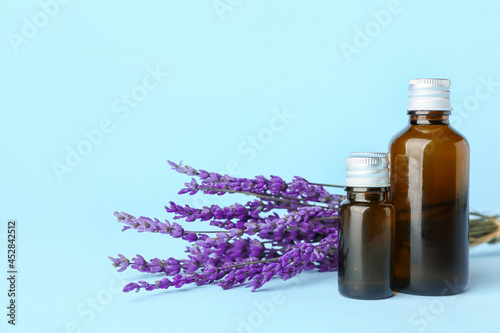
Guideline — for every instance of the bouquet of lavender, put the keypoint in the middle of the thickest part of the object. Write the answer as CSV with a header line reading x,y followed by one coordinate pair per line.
x,y
255,242
289,227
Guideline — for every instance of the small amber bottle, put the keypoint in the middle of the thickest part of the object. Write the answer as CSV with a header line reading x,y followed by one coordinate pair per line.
x,y
429,185
366,231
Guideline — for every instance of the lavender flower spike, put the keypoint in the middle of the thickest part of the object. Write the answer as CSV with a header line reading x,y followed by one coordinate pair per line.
x,y
143,224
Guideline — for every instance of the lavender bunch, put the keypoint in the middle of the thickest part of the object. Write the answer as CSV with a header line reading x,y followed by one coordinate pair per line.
x,y
288,227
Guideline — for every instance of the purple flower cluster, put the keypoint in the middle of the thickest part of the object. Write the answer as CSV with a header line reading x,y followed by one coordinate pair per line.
x,y
273,189
289,228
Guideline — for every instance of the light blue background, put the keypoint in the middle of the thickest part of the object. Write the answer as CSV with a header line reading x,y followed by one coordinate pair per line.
x,y
229,73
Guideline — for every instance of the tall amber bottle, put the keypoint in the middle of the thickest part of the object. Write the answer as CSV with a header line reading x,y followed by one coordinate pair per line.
x,y
429,163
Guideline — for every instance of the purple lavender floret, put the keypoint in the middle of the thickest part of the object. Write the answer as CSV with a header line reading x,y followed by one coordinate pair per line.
x,y
121,262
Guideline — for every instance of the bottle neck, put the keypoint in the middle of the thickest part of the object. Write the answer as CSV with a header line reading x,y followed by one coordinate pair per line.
x,y
429,117
367,194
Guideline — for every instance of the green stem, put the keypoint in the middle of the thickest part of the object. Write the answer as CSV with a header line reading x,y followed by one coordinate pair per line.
x,y
324,218
252,262
206,232
263,196
327,185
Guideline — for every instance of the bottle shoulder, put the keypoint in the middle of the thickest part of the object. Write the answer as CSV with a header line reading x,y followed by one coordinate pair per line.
x,y
346,204
459,135
401,133
439,133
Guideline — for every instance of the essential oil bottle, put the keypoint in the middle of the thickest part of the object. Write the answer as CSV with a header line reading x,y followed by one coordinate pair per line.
x,y
366,232
430,191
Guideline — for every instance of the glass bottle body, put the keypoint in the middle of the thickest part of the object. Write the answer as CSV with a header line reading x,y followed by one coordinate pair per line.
x,y
366,236
429,187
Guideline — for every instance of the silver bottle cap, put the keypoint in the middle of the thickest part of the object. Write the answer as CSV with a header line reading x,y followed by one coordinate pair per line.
x,y
429,94
367,170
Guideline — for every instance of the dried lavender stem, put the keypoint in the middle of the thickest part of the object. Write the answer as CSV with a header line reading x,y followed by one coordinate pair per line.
x,y
327,185
252,262
267,197
493,234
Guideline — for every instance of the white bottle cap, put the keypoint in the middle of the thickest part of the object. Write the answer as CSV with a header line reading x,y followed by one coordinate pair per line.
x,y
429,95
367,170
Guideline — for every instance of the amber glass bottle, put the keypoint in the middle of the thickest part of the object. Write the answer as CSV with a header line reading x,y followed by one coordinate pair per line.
x,y
429,186
366,231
